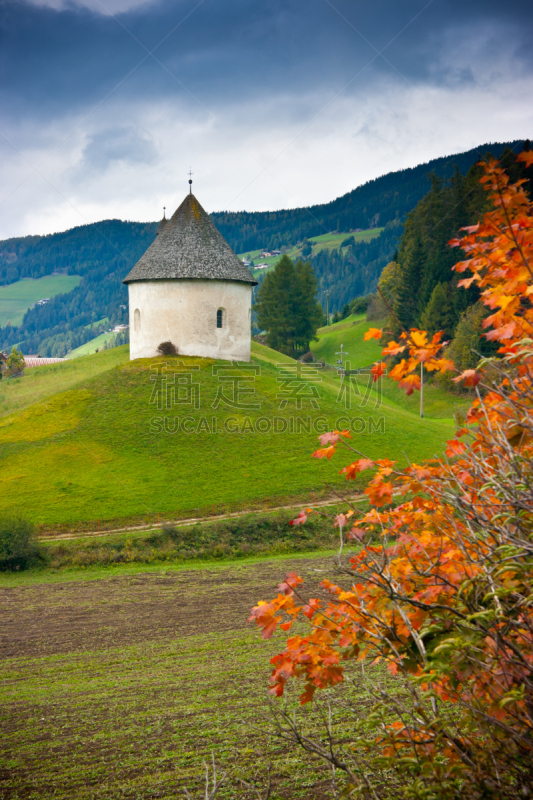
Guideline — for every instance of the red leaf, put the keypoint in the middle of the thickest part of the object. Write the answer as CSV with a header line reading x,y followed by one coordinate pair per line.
x,y
292,580
300,519
328,438
469,376
378,370
455,448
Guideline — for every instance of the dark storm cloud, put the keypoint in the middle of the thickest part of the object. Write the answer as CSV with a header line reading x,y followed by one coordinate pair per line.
x,y
60,61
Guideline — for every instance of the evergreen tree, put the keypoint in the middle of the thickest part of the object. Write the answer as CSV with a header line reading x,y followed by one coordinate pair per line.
x,y
407,305
306,308
287,308
439,314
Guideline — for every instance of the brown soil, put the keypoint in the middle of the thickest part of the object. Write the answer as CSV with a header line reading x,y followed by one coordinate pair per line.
x,y
71,744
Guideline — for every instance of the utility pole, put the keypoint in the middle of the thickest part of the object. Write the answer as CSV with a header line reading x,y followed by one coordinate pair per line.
x,y
327,306
421,389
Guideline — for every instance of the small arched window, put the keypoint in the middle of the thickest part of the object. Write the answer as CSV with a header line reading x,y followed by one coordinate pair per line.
x,y
136,320
220,318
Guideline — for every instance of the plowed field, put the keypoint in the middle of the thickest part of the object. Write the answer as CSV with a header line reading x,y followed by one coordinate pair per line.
x,y
119,688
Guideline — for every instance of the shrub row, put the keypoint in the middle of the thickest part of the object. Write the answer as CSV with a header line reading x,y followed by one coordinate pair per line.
x,y
232,538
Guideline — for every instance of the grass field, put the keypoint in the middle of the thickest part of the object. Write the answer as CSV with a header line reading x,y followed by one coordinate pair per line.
x,y
117,684
39,383
91,346
350,333
99,449
439,403
16,298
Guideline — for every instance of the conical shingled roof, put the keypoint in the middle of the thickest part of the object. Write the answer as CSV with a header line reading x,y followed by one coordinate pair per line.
x,y
189,246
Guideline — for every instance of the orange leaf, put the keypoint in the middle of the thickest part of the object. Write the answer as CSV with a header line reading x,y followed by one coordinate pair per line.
x,y
358,466
526,156
419,338
326,452
372,333
410,383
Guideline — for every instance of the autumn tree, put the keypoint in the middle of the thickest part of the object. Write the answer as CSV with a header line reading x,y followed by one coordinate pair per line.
x,y
440,588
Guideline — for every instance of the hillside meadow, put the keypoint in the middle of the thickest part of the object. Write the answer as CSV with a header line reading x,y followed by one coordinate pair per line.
x,y
119,440
439,402
17,298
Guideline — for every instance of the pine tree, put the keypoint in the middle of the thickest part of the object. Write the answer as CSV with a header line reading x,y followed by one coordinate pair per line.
x,y
306,308
287,308
407,306
439,314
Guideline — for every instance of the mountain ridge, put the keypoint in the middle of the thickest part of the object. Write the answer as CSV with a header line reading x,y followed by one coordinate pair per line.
x,y
102,253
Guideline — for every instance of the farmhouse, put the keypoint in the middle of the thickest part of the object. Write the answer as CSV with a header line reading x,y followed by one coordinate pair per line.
x,y
190,288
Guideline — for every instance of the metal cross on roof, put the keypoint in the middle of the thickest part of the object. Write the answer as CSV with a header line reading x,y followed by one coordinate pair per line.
x,y
190,173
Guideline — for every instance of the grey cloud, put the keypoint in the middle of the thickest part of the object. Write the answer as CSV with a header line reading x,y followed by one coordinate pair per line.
x,y
118,144
59,61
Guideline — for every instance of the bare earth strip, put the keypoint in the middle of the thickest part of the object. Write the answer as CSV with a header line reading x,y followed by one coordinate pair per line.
x,y
181,523
118,688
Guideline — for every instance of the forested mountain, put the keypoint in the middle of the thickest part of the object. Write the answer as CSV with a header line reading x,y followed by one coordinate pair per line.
x,y
353,271
104,252
373,204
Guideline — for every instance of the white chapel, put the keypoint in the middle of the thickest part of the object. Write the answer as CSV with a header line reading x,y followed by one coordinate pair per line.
x,y
190,288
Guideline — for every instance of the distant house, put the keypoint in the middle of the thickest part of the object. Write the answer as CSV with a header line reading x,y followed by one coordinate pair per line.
x,y
43,301
261,266
120,328
275,252
246,263
265,254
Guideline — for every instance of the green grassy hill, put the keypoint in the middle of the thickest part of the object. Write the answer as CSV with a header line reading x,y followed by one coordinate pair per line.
x,y
349,333
16,298
92,346
96,445
438,402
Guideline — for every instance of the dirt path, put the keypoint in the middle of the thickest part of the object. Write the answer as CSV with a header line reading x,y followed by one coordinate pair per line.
x,y
180,523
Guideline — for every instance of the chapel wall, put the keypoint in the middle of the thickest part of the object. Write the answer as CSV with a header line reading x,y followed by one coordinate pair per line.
x,y
185,313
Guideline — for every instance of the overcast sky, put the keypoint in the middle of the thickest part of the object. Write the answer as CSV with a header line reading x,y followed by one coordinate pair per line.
x,y
274,104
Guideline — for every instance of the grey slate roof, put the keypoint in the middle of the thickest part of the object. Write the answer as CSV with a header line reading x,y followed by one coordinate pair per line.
x,y
189,246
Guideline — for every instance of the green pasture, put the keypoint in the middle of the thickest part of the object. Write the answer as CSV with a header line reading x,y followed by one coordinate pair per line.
x,y
107,447
330,241
18,297
439,402
350,333
91,346
38,383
